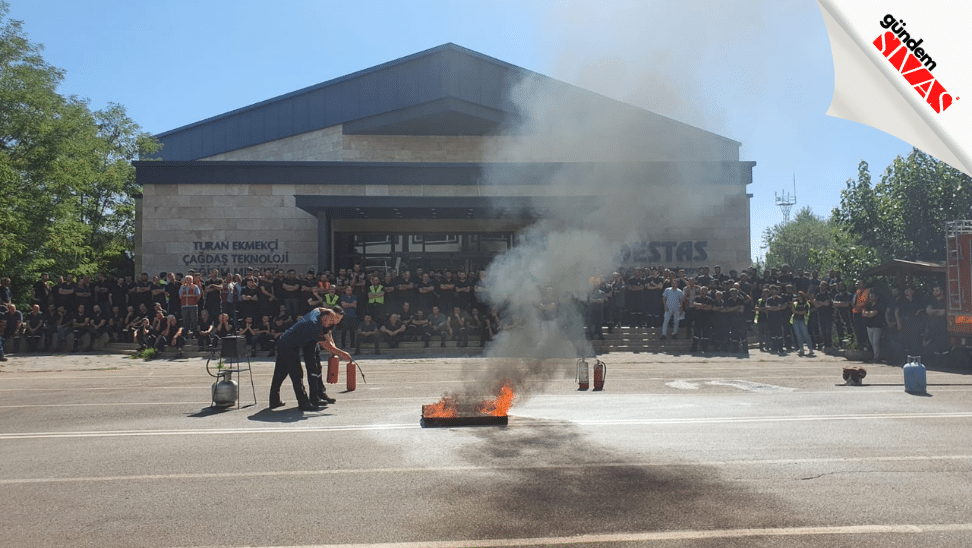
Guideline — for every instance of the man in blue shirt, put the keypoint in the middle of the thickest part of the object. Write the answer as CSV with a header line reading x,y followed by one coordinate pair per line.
x,y
315,327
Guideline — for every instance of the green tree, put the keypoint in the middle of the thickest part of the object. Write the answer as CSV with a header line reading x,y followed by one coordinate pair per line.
x,y
65,174
797,242
904,215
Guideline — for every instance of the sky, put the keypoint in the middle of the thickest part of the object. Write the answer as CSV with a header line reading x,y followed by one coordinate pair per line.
x,y
758,72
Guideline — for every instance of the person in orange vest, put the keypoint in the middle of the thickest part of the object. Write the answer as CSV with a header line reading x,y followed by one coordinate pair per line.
x,y
857,309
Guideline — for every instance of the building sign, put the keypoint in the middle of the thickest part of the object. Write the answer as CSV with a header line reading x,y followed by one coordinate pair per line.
x,y
669,252
236,255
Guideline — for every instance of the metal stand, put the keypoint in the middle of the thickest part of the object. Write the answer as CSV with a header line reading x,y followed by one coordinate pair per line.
x,y
229,361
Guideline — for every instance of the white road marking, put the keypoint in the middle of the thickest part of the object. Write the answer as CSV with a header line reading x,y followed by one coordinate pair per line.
x,y
513,423
683,385
751,386
474,468
873,529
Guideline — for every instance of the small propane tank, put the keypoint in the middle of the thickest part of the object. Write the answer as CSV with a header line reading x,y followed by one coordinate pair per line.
x,y
914,376
600,371
583,378
332,369
225,391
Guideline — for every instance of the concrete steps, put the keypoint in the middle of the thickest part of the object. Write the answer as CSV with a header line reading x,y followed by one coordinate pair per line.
x,y
625,339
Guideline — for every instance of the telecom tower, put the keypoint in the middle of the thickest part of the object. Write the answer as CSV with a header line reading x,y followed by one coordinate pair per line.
x,y
786,201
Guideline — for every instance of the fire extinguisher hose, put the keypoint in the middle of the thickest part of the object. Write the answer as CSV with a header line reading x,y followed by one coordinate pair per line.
x,y
360,371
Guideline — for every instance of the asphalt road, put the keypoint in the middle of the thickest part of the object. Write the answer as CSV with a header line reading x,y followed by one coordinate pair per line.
x,y
676,451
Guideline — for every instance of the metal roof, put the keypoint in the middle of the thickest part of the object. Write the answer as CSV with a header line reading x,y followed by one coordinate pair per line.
x,y
446,90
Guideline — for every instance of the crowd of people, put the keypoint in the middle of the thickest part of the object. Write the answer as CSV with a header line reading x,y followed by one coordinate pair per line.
x,y
784,310
172,310
717,310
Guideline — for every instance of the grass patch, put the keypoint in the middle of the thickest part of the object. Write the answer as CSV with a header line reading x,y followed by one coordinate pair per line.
x,y
146,354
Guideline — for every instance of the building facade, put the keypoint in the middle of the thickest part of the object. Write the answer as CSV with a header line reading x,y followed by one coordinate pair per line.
x,y
436,160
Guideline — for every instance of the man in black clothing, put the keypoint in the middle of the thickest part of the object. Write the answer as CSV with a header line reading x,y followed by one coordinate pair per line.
x,y
393,331
81,326
635,298
41,292
64,293
702,334
907,311
736,313
99,325
368,331
823,304
426,297
778,312
34,329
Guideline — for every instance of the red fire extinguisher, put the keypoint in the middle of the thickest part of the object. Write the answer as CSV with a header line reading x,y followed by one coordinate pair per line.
x,y
332,369
352,378
582,378
600,371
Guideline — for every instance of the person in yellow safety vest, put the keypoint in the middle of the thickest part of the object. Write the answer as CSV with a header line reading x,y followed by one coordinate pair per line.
x,y
331,298
376,299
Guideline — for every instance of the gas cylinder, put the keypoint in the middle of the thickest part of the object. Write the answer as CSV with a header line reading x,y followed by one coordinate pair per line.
x,y
914,376
583,379
225,391
600,371
332,369
352,378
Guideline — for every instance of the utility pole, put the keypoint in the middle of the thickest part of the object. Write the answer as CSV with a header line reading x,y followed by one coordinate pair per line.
x,y
786,201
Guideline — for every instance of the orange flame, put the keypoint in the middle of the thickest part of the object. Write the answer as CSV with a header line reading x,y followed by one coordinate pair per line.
x,y
501,404
448,407
445,409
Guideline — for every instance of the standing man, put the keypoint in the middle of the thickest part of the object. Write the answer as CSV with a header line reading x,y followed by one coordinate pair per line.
x,y
857,309
314,327
672,300
40,294
189,294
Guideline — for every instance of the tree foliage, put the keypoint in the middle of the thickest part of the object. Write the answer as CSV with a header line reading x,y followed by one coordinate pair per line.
x,y
66,181
904,215
798,242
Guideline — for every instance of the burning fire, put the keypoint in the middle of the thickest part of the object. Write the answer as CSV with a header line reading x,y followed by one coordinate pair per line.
x,y
448,407
501,404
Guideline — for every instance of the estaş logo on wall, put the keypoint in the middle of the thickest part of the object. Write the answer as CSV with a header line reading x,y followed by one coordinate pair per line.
x,y
913,63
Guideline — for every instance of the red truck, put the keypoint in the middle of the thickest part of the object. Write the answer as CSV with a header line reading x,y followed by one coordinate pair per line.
x,y
958,276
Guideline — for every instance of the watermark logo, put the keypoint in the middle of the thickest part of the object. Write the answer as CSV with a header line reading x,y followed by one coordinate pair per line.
x,y
913,63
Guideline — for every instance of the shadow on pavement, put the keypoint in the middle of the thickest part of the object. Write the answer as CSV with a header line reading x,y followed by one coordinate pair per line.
x,y
290,414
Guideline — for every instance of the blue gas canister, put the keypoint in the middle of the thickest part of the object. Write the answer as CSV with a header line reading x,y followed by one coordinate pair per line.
x,y
914,376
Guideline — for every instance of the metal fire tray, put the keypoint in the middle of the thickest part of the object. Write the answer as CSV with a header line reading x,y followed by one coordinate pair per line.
x,y
467,415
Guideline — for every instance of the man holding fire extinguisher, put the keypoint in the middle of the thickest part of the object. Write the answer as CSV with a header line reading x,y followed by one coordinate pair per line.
x,y
314,328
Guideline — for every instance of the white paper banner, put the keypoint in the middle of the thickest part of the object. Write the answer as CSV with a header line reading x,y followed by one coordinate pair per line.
x,y
904,68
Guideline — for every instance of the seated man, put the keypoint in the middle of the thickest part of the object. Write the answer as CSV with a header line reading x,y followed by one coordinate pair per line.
x,y
405,315
81,326
206,331
34,328
419,327
438,325
13,329
144,334
393,331
458,321
367,332
225,327
261,335
279,327
170,336
478,326
99,325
